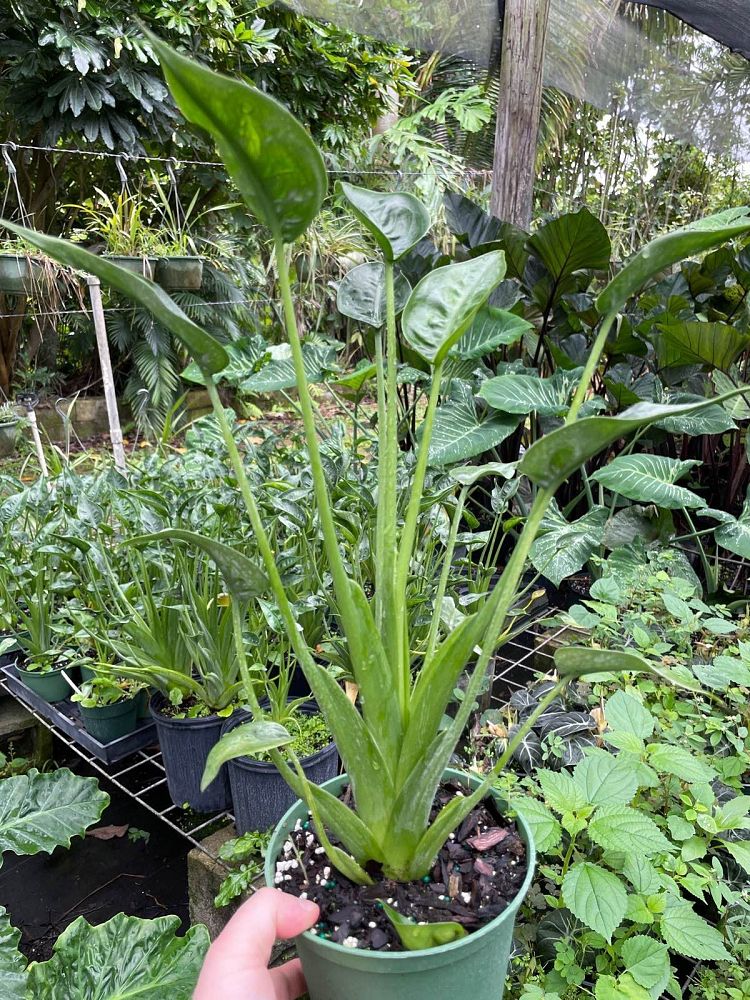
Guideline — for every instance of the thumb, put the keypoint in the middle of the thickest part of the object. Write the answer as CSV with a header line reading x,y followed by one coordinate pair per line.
x,y
247,940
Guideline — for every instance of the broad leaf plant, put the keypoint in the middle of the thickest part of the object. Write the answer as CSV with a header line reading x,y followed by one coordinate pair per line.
x,y
392,742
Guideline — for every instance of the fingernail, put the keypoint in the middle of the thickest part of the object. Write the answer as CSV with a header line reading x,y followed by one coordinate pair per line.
x,y
308,905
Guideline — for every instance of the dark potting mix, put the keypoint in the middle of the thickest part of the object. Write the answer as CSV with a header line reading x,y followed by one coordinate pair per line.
x,y
477,874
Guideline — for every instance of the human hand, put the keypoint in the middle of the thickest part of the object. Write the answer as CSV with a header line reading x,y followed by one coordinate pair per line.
x,y
236,966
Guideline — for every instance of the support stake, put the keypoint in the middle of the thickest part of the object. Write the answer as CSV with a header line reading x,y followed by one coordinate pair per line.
x,y
105,361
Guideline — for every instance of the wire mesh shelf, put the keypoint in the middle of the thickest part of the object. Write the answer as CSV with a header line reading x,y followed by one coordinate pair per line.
x,y
143,778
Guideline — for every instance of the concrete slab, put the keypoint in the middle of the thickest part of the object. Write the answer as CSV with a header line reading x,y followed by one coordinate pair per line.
x,y
205,875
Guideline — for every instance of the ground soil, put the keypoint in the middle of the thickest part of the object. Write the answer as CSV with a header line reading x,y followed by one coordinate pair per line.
x,y
96,878
477,874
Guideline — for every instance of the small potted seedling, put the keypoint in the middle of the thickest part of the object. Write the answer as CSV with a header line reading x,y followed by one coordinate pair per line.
x,y
260,795
40,660
108,706
9,421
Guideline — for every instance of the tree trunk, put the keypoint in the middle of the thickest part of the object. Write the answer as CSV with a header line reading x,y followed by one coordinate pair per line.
x,y
524,36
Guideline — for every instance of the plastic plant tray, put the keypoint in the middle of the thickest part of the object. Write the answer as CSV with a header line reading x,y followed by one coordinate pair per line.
x,y
66,717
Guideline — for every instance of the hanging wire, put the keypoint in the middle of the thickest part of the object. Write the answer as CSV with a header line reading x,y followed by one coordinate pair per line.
x,y
116,309
177,161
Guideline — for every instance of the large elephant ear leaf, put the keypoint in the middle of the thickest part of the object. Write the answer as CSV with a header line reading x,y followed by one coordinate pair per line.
x,y
361,294
123,957
670,249
396,221
269,155
243,578
208,353
444,303
12,962
557,455
39,812
574,242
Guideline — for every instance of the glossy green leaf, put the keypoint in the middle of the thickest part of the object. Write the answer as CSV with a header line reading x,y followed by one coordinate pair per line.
x,y
573,242
461,433
668,249
244,741
492,328
39,812
12,962
715,344
577,661
557,455
361,294
269,155
242,577
445,302
468,475
713,419
278,373
417,937
396,220
650,479
562,547
517,393
739,407
734,534
209,355
121,958
596,896
356,378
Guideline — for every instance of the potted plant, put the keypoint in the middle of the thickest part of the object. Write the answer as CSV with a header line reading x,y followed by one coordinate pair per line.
x,y
180,267
108,707
402,808
169,629
119,223
9,421
18,267
260,795
41,663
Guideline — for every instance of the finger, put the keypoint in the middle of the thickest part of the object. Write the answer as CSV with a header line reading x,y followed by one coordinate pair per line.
x,y
288,981
247,940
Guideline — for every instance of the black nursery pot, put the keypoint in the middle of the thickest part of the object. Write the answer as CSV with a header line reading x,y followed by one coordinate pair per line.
x,y
185,745
260,796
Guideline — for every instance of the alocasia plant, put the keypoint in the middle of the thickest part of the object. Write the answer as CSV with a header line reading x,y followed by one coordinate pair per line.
x,y
393,745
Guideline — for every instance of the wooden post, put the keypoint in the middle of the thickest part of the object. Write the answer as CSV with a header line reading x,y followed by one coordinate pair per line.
x,y
105,361
514,167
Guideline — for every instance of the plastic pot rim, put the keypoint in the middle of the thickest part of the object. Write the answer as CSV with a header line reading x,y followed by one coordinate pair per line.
x,y
396,958
204,722
266,765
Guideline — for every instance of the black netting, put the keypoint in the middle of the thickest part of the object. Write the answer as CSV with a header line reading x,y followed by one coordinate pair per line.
x,y
728,21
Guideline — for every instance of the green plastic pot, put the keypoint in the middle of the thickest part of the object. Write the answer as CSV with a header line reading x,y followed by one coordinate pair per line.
x,y
49,685
138,265
179,274
476,966
16,274
8,434
110,722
